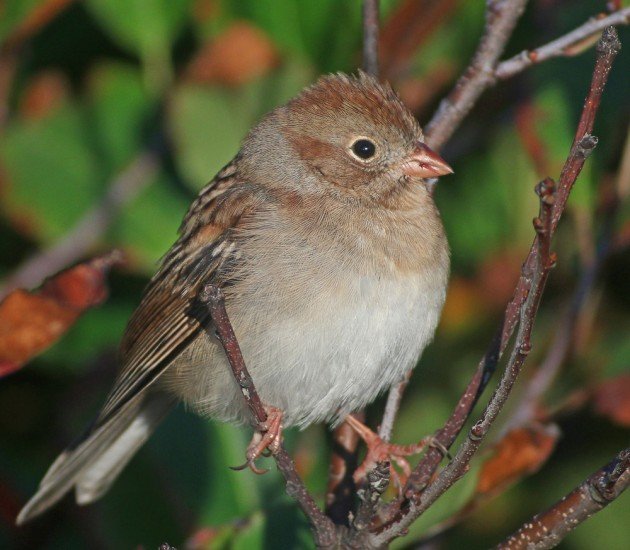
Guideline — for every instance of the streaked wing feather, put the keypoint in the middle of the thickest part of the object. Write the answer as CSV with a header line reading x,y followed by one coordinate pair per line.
x,y
165,322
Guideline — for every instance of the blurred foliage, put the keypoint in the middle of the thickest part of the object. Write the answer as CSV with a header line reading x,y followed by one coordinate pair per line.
x,y
87,87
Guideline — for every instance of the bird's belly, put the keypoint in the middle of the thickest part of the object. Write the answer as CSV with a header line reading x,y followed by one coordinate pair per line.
x,y
331,355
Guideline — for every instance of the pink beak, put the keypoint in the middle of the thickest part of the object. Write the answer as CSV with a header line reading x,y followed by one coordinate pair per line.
x,y
425,163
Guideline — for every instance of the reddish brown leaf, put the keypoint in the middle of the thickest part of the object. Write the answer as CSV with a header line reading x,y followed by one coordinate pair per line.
x,y
43,94
39,16
462,305
612,399
409,26
418,93
497,276
30,322
522,451
527,117
239,54
206,10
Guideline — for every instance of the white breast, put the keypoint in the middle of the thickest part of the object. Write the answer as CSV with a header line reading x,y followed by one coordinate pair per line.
x,y
320,337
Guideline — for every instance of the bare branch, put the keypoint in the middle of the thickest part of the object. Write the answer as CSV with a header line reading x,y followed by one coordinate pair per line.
x,y
563,46
391,408
501,18
324,530
547,529
485,69
370,36
530,286
90,228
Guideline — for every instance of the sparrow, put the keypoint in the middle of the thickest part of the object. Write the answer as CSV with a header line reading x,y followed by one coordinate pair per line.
x,y
332,257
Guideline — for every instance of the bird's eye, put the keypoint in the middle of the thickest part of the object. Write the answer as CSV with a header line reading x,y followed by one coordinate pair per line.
x,y
364,148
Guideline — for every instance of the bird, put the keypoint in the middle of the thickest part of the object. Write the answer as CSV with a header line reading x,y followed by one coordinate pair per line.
x,y
324,238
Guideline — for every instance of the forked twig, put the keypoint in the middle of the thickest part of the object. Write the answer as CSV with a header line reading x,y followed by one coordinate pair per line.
x,y
501,18
485,70
562,46
521,311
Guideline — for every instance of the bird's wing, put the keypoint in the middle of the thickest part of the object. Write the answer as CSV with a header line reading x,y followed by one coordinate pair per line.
x,y
169,317
164,322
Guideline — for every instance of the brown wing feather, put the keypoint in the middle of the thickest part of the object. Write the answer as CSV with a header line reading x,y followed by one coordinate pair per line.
x,y
164,322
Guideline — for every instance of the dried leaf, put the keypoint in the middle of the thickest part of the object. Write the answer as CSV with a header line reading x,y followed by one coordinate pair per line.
x,y
528,116
408,27
44,93
239,54
38,17
612,399
206,10
462,305
497,276
30,322
522,451
418,93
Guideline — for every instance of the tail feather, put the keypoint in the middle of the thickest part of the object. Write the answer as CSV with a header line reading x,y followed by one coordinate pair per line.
x,y
98,476
94,463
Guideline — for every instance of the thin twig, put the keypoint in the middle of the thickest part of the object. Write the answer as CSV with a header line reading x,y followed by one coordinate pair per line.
x,y
89,229
501,18
324,530
485,70
370,36
531,285
391,408
546,373
562,46
449,116
547,529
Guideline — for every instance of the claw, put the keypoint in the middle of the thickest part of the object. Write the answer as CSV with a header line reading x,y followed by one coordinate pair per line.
x,y
264,443
433,442
252,466
240,468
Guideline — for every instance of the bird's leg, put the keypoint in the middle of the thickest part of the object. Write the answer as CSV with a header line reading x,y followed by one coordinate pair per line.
x,y
267,420
382,451
266,440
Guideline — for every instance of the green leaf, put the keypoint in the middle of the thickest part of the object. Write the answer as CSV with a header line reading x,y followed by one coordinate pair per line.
x,y
207,130
326,32
452,42
230,495
209,123
53,174
556,130
98,329
252,535
148,225
117,112
478,202
13,13
141,25
146,28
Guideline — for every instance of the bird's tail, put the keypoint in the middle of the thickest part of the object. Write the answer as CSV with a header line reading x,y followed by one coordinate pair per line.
x,y
92,465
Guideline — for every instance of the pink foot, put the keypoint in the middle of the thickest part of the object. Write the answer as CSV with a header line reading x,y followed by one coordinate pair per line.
x,y
381,451
266,441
